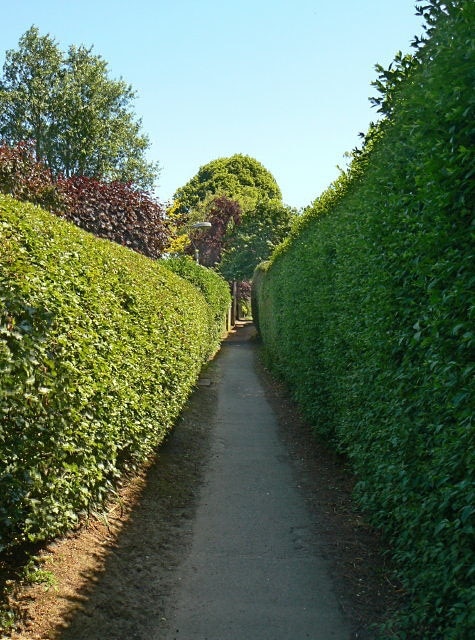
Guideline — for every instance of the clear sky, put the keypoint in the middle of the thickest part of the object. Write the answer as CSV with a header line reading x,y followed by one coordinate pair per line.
x,y
284,81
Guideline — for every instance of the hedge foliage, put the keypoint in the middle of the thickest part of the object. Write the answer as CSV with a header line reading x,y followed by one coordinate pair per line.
x,y
214,288
367,311
99,349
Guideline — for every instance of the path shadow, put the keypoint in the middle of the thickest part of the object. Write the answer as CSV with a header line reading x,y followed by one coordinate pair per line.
x,y
128,599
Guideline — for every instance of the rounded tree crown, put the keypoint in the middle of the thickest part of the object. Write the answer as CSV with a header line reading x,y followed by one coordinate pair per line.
x,y
239,177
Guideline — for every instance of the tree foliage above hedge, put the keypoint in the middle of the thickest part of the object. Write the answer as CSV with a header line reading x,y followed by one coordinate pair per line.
x,y
81,121
238,177
243,202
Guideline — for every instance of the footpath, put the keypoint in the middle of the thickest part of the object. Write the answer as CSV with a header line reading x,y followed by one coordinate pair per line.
x,y
253,571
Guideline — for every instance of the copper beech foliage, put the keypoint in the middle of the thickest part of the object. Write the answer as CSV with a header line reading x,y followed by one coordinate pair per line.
x,y
24,178
114,210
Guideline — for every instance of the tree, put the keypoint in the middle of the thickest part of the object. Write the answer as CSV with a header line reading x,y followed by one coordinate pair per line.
x,y
224,215
116,211
81,121
247,239
238,177
253,241
27,89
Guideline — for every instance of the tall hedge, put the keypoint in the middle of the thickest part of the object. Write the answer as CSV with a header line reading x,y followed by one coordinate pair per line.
x,y
99,349
214,288
367,312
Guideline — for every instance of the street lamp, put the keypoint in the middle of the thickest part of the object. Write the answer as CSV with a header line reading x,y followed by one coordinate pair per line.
x,y
199,225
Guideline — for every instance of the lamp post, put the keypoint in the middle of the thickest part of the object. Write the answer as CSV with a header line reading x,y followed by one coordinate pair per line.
x,y
199,225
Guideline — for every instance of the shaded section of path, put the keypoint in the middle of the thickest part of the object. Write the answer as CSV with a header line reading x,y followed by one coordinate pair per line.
x,y
254,569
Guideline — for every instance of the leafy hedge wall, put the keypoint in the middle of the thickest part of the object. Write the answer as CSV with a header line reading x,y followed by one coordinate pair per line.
x,y
367,311
214,288
99,349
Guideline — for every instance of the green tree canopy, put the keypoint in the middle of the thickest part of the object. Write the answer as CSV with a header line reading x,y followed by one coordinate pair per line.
x,y
264,222
238,177
253,241
81,121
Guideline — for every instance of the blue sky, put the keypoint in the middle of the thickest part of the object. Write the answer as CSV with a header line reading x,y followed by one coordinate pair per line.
x,y
285,81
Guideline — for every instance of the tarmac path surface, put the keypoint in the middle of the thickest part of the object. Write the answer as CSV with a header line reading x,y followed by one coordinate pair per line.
x,y
253,570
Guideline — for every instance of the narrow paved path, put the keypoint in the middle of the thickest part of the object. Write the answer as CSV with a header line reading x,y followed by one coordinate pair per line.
x,y
253,570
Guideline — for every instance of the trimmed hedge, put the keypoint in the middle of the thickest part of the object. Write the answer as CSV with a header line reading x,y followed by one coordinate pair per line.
x,y
214,288
99,350
367,312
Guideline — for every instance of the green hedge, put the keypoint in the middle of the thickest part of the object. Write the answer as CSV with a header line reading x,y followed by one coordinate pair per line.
x,y
367,312
214,288
99,349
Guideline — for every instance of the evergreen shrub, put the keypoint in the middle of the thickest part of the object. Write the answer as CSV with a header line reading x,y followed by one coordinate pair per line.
x,y
99,349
